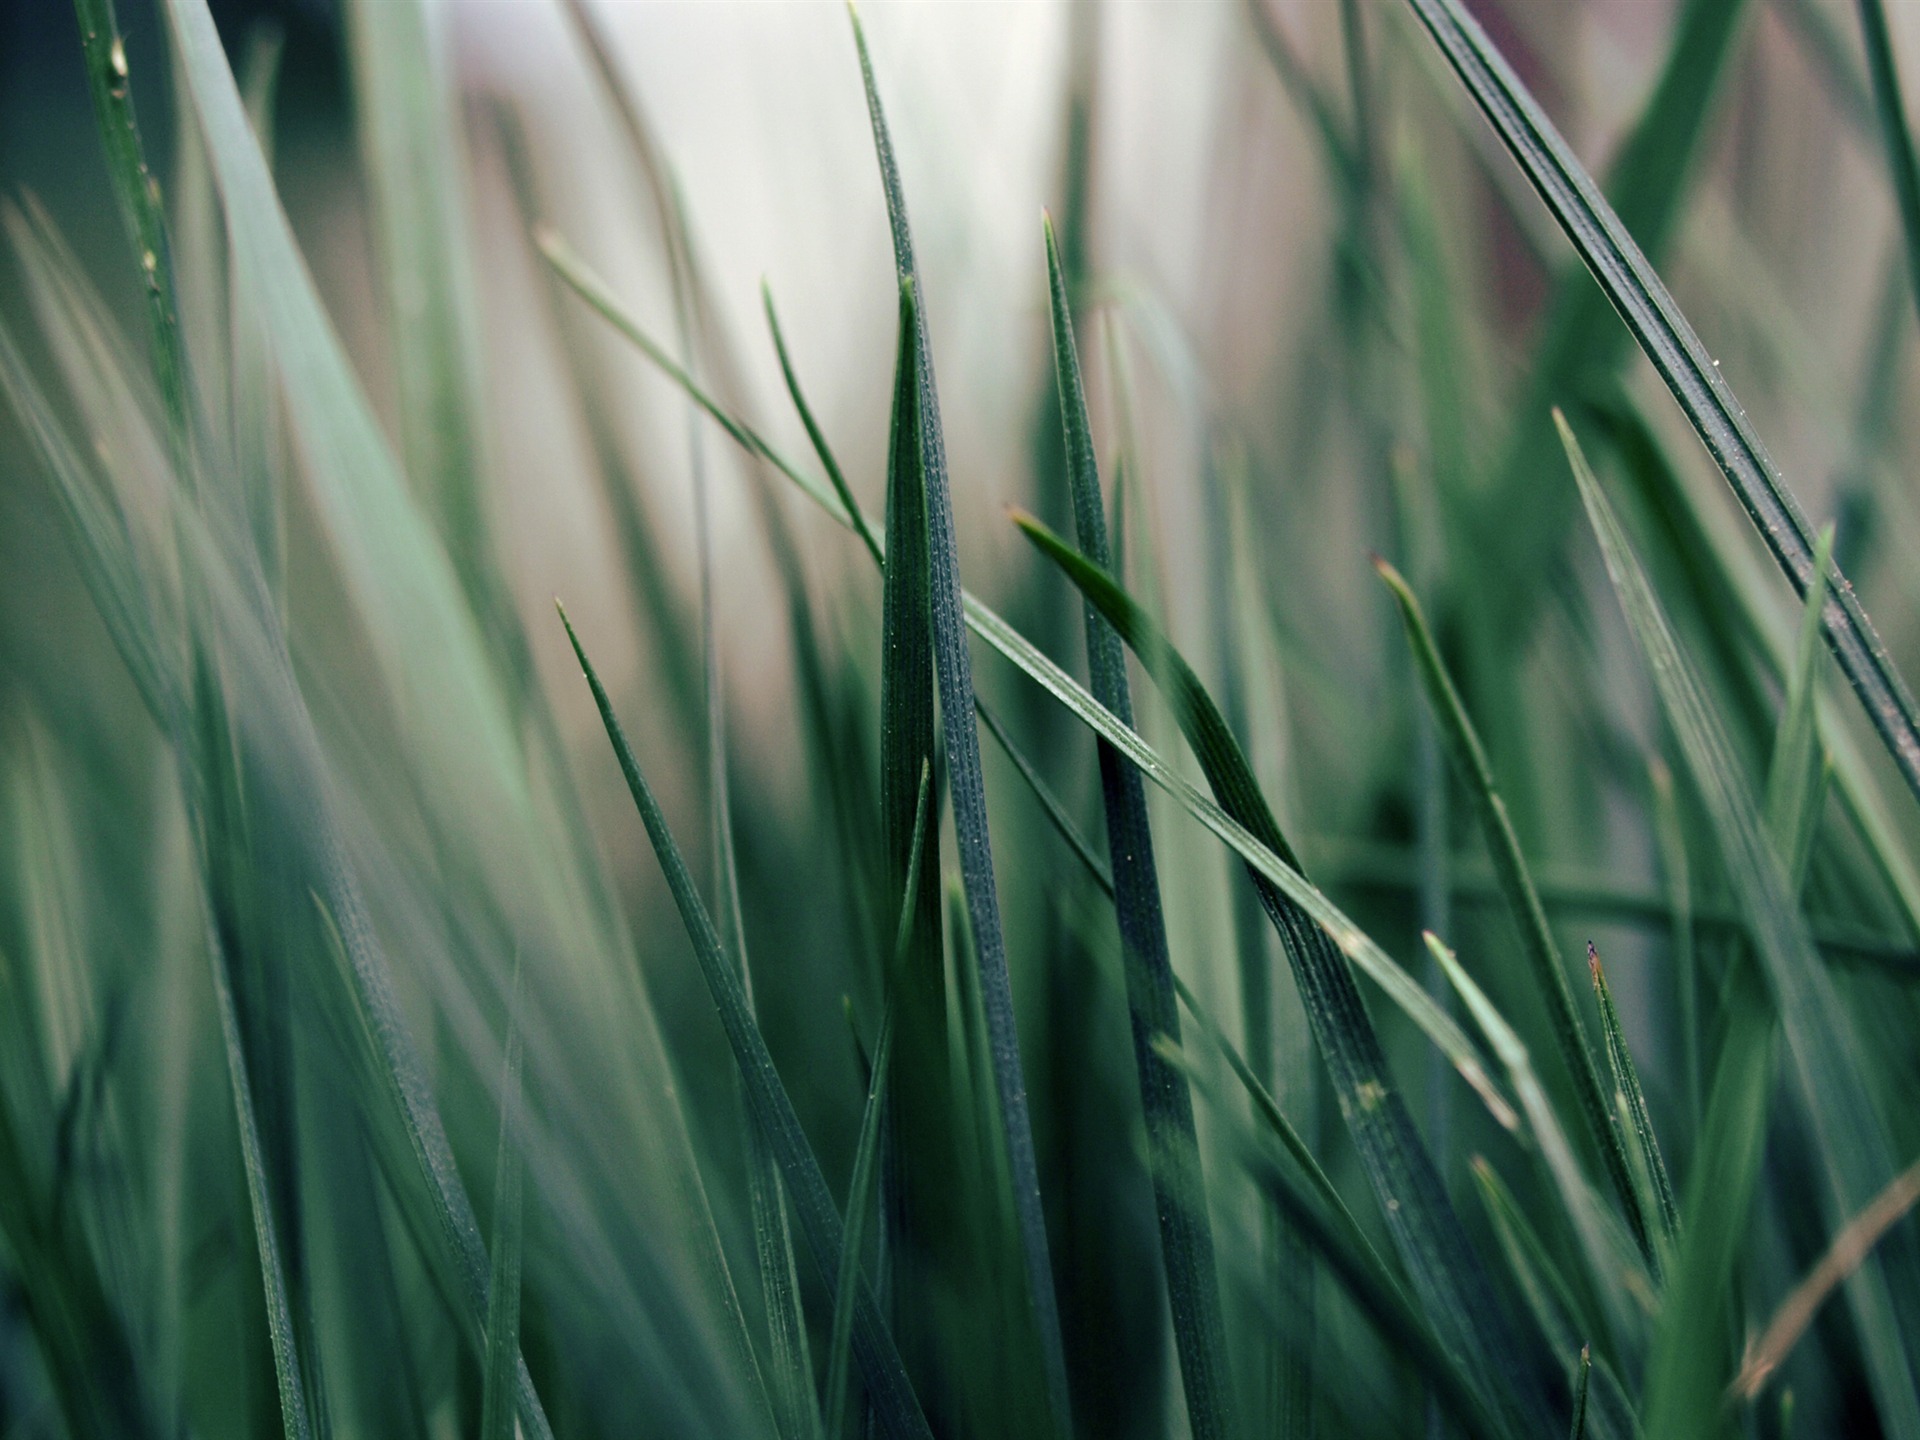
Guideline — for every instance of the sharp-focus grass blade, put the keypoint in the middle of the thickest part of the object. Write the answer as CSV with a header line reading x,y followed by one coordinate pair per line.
x,y
1579,1428
1186,1242
1447,1275
1682,361
1656,1189
867,1150
892,1396
966,785
1896,138
1516,885
503,1281
138,194
1824,1055
814,433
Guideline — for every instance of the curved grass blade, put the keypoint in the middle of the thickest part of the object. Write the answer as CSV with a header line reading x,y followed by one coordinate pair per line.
x,y
1896,139
1683,364
1849,1248
503,1283
867,1150
967,788
1843,1118
1516,885
1658,1205
892,1395
1453,1287
1186,1242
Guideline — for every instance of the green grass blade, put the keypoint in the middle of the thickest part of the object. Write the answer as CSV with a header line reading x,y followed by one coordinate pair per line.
x,y
1452,1285
1896,138
967,788
1394,1316
1795,774
892,1395
1606,1261
867,1150
415,164
1824,1054
256,420
814,433
1564,1315
1579,344
1658,1203
1689,1362
1516,885
1186,1243
1676,876
1683,363
503,1282
1579,1428
295,1417
141,212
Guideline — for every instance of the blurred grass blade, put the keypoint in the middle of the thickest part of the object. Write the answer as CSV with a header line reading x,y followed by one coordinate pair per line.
x,y
1605,1260
1795,774
1580,346
1896,137
966,785
1447,1275
893,1399
1676,875
1186,1241
1372,1290
1824,1052
1683,363
1689,1361
295,1417
1657,1205
256,420
1523,901
1275,1120
503,1283
415,163
1849,1248
1563,1315
867,1150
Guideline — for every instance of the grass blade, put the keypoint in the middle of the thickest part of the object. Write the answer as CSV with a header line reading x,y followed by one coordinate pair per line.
x,y
138,194
893,1399
1903,164
1447,1276
1849,1248
1186,1241
1843,1118
1682,362
1658,1205
1604,1260
1579,1428
1516,885
954,671
867,1150
1796,774
503,1283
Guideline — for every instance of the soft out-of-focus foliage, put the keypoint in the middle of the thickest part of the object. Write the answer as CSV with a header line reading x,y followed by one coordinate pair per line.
x,y
359,1065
